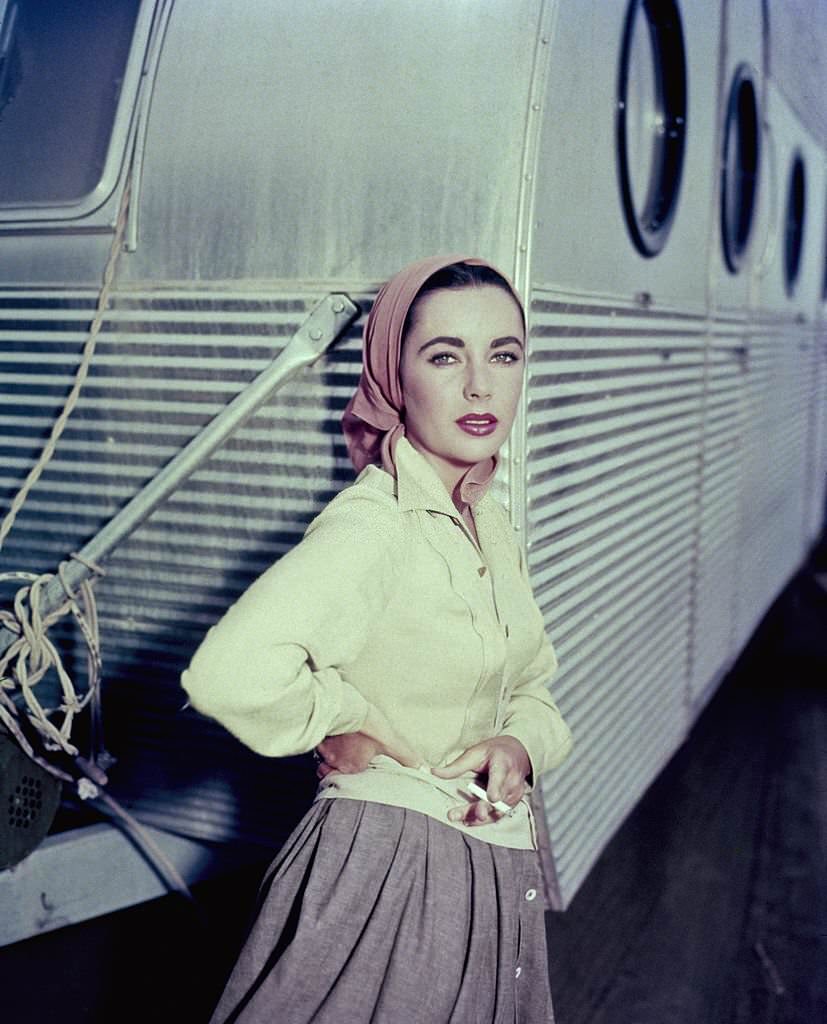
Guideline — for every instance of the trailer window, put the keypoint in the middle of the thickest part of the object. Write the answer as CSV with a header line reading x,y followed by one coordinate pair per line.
x,y
739,178
651,120
61,68
794,222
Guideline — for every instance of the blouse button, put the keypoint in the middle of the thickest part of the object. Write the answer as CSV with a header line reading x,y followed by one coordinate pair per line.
x,y
531,894
518,972
481,570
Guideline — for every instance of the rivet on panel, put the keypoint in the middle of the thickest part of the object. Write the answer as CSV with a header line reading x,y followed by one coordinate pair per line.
x,y
338,307
316,334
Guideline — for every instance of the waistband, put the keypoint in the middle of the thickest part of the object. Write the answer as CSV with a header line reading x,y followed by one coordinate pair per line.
x,y
386,781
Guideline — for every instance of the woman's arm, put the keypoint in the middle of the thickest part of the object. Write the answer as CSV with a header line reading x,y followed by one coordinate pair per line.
x,y
532,717
270,670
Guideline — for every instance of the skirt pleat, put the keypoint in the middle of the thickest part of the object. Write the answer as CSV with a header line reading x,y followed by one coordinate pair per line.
x,y
379,914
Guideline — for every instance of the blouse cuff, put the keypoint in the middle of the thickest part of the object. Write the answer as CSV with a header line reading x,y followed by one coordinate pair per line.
x,y
347,708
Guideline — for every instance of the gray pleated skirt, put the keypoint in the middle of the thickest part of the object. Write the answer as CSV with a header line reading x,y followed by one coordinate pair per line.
x,y
378,914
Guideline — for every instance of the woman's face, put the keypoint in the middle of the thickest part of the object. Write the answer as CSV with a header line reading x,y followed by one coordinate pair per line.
x,y
462,374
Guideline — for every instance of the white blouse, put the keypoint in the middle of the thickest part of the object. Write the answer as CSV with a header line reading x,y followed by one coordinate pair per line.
x,y
388,600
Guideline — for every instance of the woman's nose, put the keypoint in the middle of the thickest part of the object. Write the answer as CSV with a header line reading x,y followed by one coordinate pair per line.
x,y
477,384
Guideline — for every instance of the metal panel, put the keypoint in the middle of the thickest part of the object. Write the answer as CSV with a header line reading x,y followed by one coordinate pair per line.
x,y
798,34
778,396
334,140
719,509
166,363
614,445
716,558
816,473
581,245
781,386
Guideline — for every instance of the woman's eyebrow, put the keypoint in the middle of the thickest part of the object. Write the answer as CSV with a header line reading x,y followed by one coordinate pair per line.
x,y
459,343
442,340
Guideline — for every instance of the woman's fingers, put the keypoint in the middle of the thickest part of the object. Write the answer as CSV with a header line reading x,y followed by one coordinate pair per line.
x,y
474,759
502,759
478,812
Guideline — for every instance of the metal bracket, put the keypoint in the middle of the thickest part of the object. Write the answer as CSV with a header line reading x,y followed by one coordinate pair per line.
x,y
326,322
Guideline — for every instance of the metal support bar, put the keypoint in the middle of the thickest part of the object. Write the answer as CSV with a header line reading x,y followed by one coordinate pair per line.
x,y
326,322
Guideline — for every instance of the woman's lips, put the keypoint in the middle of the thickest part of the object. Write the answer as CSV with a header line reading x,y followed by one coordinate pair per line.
x,y
478,425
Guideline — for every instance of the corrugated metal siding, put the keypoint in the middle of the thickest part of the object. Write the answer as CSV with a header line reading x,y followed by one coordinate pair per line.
x,y
652,445
778,393
817,471
614,430
166,363
716,566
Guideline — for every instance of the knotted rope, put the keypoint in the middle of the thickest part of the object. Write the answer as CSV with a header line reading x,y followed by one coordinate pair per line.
x,y
32,655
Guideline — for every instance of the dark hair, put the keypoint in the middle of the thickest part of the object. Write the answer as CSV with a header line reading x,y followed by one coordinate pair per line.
x,y
457,275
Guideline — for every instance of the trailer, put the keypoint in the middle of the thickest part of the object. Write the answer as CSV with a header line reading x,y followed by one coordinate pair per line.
x,y
653,176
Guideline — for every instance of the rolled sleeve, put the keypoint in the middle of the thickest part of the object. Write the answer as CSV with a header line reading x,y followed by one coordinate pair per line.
x,y
534,719
273,670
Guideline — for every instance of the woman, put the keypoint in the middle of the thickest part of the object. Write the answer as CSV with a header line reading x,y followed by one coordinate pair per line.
x,y
401,639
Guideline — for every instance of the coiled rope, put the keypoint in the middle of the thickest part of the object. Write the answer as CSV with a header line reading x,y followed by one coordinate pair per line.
x,y
32,654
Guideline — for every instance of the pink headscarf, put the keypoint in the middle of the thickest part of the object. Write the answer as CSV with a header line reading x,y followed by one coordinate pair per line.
x,y
372,421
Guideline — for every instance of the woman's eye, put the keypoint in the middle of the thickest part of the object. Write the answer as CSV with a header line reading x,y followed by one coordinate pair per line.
x,y
443,359
506,357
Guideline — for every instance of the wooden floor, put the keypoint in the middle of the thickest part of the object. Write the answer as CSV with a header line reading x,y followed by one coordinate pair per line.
x,y
708,907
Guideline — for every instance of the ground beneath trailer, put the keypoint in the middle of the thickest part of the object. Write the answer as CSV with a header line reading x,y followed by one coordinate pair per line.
x,y
708,907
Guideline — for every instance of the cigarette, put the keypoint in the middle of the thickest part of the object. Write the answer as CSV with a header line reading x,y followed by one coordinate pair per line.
x,y
499,805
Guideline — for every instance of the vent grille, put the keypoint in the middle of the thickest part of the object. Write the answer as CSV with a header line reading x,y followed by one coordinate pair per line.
x,y
667,458
779,394
614,444
719,509
166,363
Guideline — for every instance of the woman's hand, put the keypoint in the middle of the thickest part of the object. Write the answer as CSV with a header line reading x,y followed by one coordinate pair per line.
x,y
349,752
505,763
352,752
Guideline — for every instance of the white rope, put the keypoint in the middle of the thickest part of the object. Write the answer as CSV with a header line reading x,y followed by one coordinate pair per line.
x,y
29,658
32,655
82,370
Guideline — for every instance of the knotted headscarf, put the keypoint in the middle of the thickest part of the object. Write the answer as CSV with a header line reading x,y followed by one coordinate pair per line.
x,y
372,422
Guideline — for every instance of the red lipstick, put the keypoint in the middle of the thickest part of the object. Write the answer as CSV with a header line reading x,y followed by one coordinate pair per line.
x,y
478,424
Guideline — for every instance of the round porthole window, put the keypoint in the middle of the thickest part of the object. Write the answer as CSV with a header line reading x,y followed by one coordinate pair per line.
x,y
794,222
741,160
651,120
